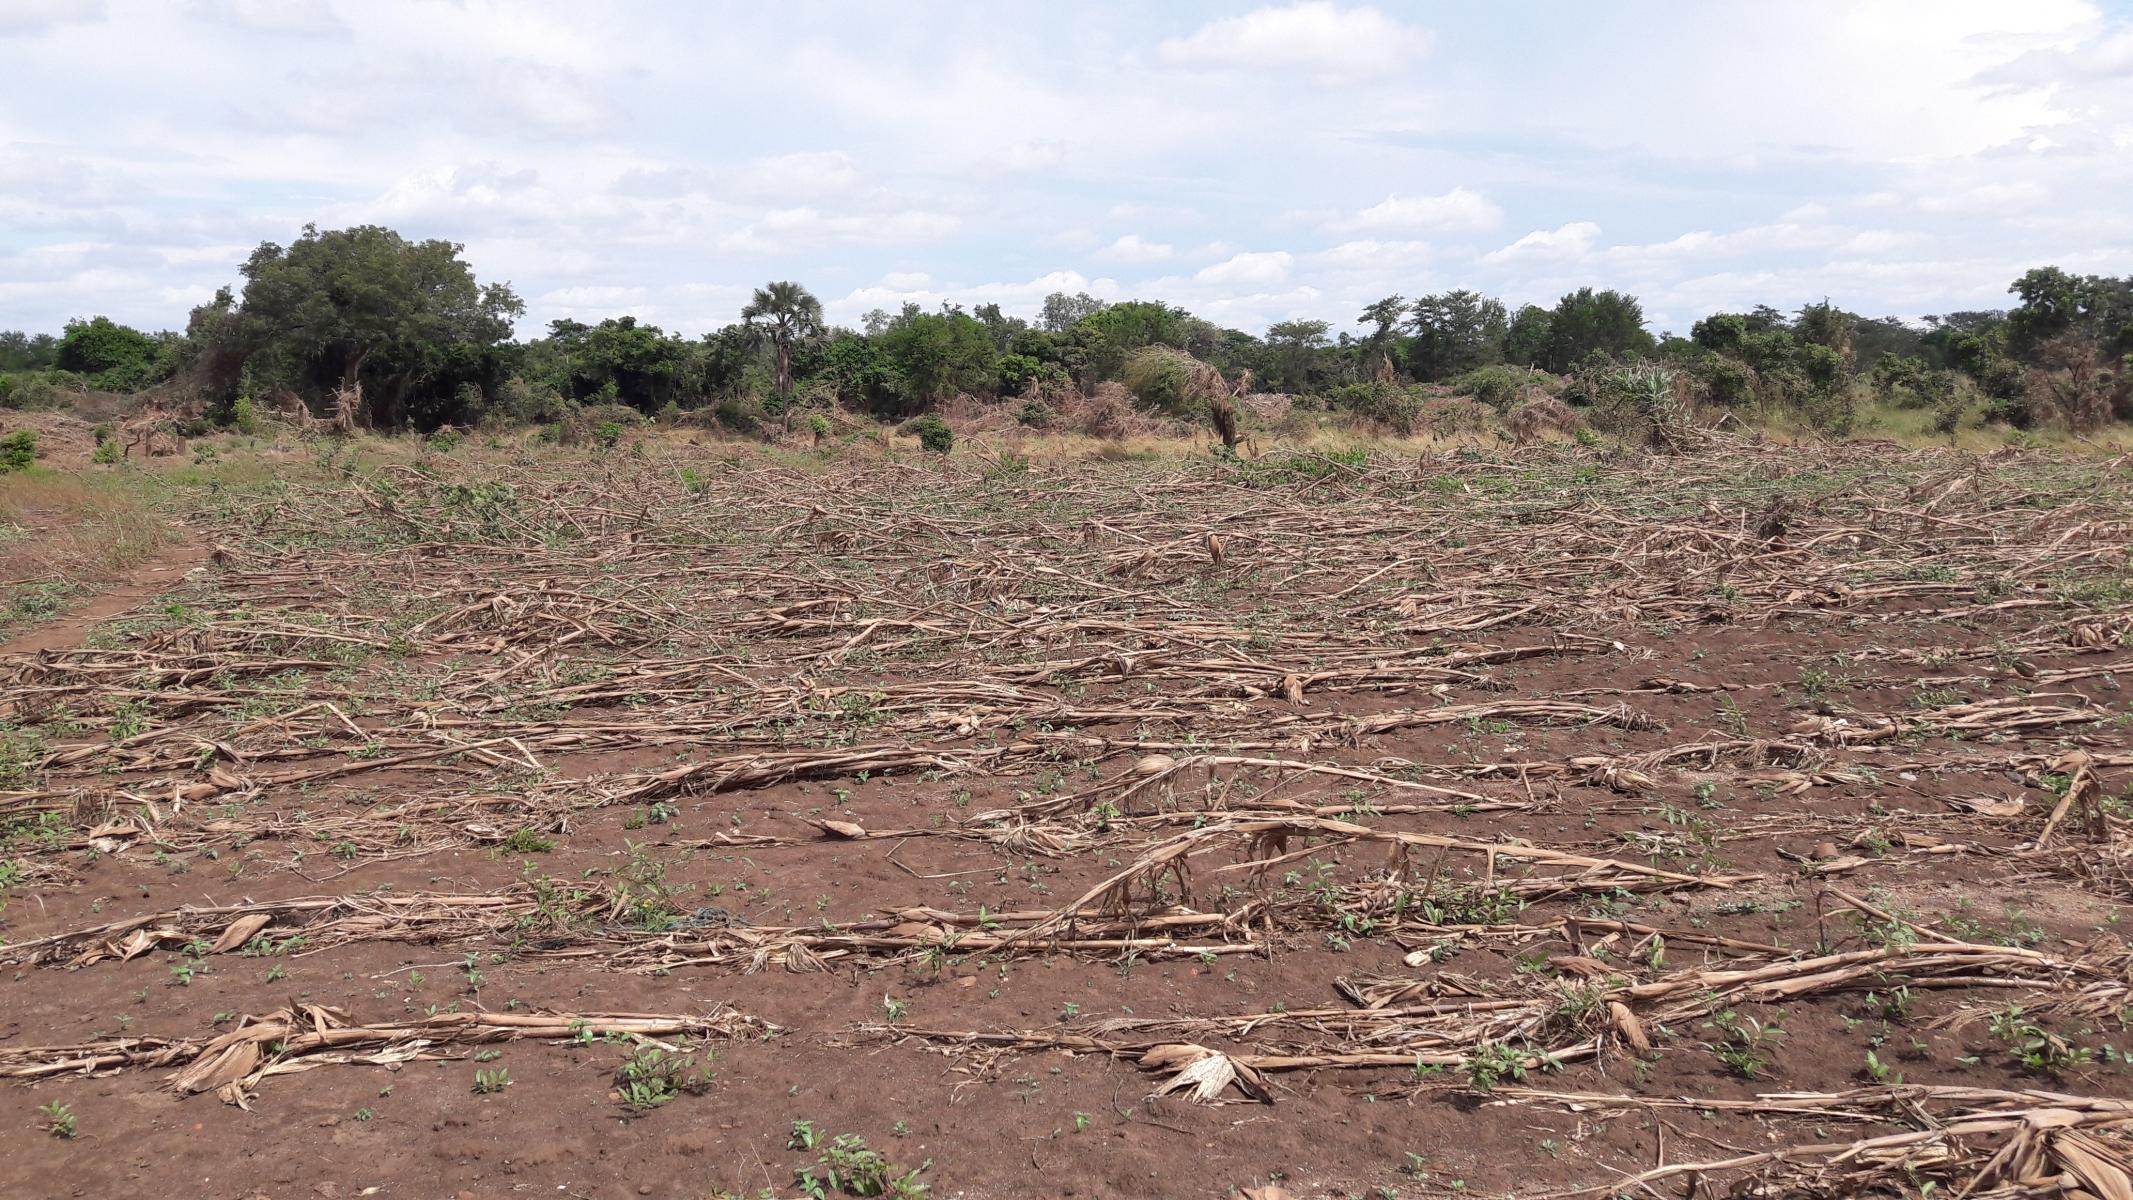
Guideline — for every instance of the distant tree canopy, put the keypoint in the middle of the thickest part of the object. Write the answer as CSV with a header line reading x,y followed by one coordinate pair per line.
x,y
430,344
1587,322
123,356
21,351
1454,333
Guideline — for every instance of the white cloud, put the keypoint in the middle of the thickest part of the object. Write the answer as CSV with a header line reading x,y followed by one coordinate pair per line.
x,y
1166,213
789,229
1880,241
1455,210
1032,156
1318,36
30,17
1893,163
1372,254
1988,200
1572,241
307,18
794,176
1133,248
1251,267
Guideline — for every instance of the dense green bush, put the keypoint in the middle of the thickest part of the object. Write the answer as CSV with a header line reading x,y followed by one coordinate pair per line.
x,y
31,390
524,402
1019,371
18,450
933,433
123,358
1499,386
1398,407
1724,380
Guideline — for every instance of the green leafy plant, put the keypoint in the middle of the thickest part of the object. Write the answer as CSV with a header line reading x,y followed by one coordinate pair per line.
x,y
58,1119
527,841
1745,1045
1491,1063
489,1083
2036,1047
652,1075
848,1167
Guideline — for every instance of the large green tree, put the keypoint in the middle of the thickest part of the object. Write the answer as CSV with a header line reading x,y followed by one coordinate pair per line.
x,y
622,361
101,346
1292,348
1454,333
407,320
784,314
1525,341
1384,318
1586,322
1103,338
1062,312
930,357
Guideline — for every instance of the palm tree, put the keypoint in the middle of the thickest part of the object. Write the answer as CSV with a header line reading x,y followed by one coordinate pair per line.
x,y
785,314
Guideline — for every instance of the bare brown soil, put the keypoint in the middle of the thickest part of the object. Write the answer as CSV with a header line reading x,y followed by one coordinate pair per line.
x,y
566,825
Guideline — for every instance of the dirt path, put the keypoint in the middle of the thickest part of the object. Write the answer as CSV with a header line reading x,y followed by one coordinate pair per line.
x,y
150,578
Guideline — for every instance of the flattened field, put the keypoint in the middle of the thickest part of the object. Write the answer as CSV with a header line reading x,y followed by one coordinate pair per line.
x,y
686,823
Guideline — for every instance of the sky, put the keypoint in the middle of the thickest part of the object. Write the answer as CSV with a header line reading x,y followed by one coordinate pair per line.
x,y
661,158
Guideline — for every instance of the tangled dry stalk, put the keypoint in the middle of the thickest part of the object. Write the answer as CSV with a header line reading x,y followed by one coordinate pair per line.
x,y
1420,778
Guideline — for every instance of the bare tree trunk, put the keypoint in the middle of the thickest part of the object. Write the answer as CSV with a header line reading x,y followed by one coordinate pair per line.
x,y
785,381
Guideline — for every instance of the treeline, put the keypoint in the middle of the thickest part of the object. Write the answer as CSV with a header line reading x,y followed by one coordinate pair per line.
x,y
405,331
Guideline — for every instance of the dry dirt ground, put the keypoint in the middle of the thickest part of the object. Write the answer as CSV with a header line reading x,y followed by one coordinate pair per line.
x,y
692,823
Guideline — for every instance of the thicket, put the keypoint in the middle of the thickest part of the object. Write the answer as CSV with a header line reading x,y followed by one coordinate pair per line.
x,y
406,335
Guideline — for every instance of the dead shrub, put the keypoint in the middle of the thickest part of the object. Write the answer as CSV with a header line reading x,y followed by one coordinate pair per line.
x,y
1543,415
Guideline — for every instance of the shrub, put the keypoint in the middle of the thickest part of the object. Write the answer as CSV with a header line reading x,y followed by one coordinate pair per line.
x,y
30,392
1173,382
1499,386
1160,378
819,425
1019,371
525,402
244,415
1833,411
606,434
740,414
1543,414
18,450
1034,413
1637,404
670,414
933,433
1397,407
1725,381
106,453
